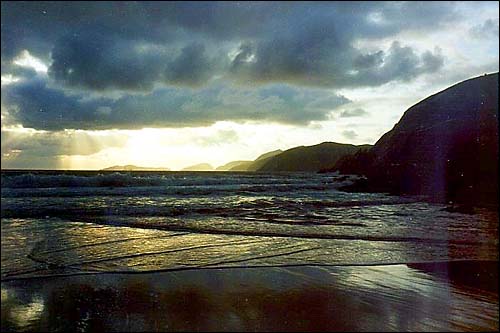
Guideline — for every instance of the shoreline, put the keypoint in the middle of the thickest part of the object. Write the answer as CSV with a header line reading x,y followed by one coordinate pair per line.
x,y
432,267
306,298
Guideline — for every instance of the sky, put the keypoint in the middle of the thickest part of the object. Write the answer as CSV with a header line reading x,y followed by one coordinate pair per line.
x,y
87,85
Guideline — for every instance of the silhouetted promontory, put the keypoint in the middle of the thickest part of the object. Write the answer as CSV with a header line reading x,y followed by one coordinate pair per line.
x,y
445,147
233,164
257,163
309,158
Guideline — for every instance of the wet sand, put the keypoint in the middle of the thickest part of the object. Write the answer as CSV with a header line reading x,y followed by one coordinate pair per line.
x,y
414,297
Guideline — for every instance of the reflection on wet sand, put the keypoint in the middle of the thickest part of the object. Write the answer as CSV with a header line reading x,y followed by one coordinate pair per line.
x,y
378,298
88,248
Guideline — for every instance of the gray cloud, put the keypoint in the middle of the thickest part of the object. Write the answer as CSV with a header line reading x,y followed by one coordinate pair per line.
x,y
432,62
363,61
489,29
400,63
350,134
166,60
353,113
98,61
34,104
324,63
37,25
20,148
101,45
192,67
58,143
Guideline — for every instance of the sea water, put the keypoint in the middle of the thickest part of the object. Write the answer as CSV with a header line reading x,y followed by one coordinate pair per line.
x,y
198,251
77,222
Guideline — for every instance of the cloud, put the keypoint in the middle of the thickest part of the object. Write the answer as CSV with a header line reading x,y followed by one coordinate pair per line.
x,y
400,63
350,134
20,148
353,113
489,29
96,60
134,46
41,143
325,62
192,67
363,61
35,104
190,64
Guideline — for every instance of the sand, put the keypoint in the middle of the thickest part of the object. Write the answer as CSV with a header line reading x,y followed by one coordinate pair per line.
x,y
307,298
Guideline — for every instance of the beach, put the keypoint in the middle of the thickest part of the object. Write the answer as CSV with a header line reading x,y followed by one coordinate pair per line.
x,y
249,166
238,252
309,298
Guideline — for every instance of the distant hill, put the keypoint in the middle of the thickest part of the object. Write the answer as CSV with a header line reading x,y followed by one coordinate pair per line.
x,y
233,164
445,146
257,163
268,154
199,167
133,168
242,166
308,158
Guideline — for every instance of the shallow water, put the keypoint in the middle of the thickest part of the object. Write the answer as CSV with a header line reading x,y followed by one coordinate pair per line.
x,y
90,236
67,222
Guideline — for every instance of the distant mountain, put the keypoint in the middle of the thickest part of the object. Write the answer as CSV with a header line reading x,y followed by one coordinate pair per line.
x,y
445,146
308,159
199,167
257,163
242,166
269,154
133,168
233,164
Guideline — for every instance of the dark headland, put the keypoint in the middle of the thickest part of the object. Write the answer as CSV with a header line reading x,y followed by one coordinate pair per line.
x,y
444,147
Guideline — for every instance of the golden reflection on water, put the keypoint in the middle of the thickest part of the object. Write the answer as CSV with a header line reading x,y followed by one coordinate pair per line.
x,y
92,247
21,315
266,299
75,246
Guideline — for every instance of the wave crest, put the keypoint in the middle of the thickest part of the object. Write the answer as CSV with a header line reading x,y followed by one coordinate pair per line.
x,y
31,180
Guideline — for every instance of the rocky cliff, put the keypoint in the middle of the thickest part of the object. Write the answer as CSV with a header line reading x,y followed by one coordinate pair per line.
x,y
445,146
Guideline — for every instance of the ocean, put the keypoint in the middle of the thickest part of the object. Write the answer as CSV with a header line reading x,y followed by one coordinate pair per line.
x,y
61,224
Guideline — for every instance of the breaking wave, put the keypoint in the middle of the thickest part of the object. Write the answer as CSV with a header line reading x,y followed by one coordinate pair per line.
x,y
31,180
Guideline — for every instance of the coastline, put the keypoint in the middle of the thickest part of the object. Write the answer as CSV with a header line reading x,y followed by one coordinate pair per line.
x,y
312,298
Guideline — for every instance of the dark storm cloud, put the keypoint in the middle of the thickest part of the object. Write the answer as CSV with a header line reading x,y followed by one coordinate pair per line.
x,y
98,61
96,44
34,104
163,50
192,67
323,62
37,25
402,63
